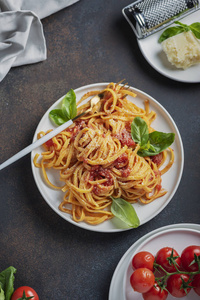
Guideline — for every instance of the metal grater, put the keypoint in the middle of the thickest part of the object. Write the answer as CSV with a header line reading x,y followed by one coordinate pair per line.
x,y
149,16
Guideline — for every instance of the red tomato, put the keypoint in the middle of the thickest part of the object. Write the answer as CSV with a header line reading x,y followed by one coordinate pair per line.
x,y
196,284
178,285
155,293
165,257
23,293
188,258
143,259
142,280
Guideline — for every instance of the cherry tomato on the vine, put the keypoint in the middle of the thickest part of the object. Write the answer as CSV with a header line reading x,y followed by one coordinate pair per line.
x,y
188,258
142,280
178,285
196,284
165,258
143,259
155,293
23,293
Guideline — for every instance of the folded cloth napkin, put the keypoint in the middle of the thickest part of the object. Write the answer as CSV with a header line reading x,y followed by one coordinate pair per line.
x,y
22,39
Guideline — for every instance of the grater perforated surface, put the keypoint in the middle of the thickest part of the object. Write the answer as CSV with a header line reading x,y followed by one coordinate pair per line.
x,y
149,15
156,12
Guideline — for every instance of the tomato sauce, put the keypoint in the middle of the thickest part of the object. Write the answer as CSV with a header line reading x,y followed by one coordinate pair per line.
x,y
158,187
156,159
80,124
125,172
49,143
125,138
121,164
98,173
121,161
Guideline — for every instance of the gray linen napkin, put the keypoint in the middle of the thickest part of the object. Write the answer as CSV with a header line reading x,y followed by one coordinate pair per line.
x,y
22,39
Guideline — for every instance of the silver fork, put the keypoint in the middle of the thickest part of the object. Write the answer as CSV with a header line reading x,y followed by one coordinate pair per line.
x,y
93,102
53,133
48,136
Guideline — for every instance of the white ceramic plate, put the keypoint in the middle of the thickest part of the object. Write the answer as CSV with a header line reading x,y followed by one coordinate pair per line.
x,y
153,53
170,180
177,236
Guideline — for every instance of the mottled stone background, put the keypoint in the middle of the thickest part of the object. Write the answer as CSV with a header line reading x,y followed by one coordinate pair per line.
x,y
87,42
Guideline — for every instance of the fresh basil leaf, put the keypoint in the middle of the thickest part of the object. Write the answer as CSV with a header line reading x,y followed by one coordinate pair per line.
x,y
150,143
7,282
2,295
184,26
139,131
195,28
159,141
69,105
125,212
68,109
57,116
146,146
149,149
169,32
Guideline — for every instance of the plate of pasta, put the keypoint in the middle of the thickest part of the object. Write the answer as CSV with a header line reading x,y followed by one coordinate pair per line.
x,y
126,150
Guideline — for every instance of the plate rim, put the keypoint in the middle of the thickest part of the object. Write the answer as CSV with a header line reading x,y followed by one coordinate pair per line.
x,y
137,243
139,92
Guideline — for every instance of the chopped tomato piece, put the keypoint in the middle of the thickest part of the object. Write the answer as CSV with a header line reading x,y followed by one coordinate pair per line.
x,y
125,138
49,143
121,160
98,173
156,159
125,172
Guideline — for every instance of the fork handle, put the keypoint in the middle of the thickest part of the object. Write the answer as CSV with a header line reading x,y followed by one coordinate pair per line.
x,y
36,144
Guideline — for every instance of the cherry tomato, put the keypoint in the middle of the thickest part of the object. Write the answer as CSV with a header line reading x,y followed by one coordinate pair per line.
x,y
142,280
23,293
164,258
196,284
188,258
155,293
178,285
143,259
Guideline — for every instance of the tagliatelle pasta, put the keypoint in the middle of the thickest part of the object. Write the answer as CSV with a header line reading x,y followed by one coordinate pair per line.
x,y
97,158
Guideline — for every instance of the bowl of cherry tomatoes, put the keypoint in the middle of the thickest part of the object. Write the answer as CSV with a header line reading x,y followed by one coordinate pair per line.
x,y
165,266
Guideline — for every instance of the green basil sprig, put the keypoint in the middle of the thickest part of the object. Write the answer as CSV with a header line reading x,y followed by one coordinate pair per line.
x,y
68,109
171,31
125,212
7,283
150,143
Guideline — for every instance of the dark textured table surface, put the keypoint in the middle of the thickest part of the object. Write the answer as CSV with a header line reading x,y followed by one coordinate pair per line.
x,y
88,42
